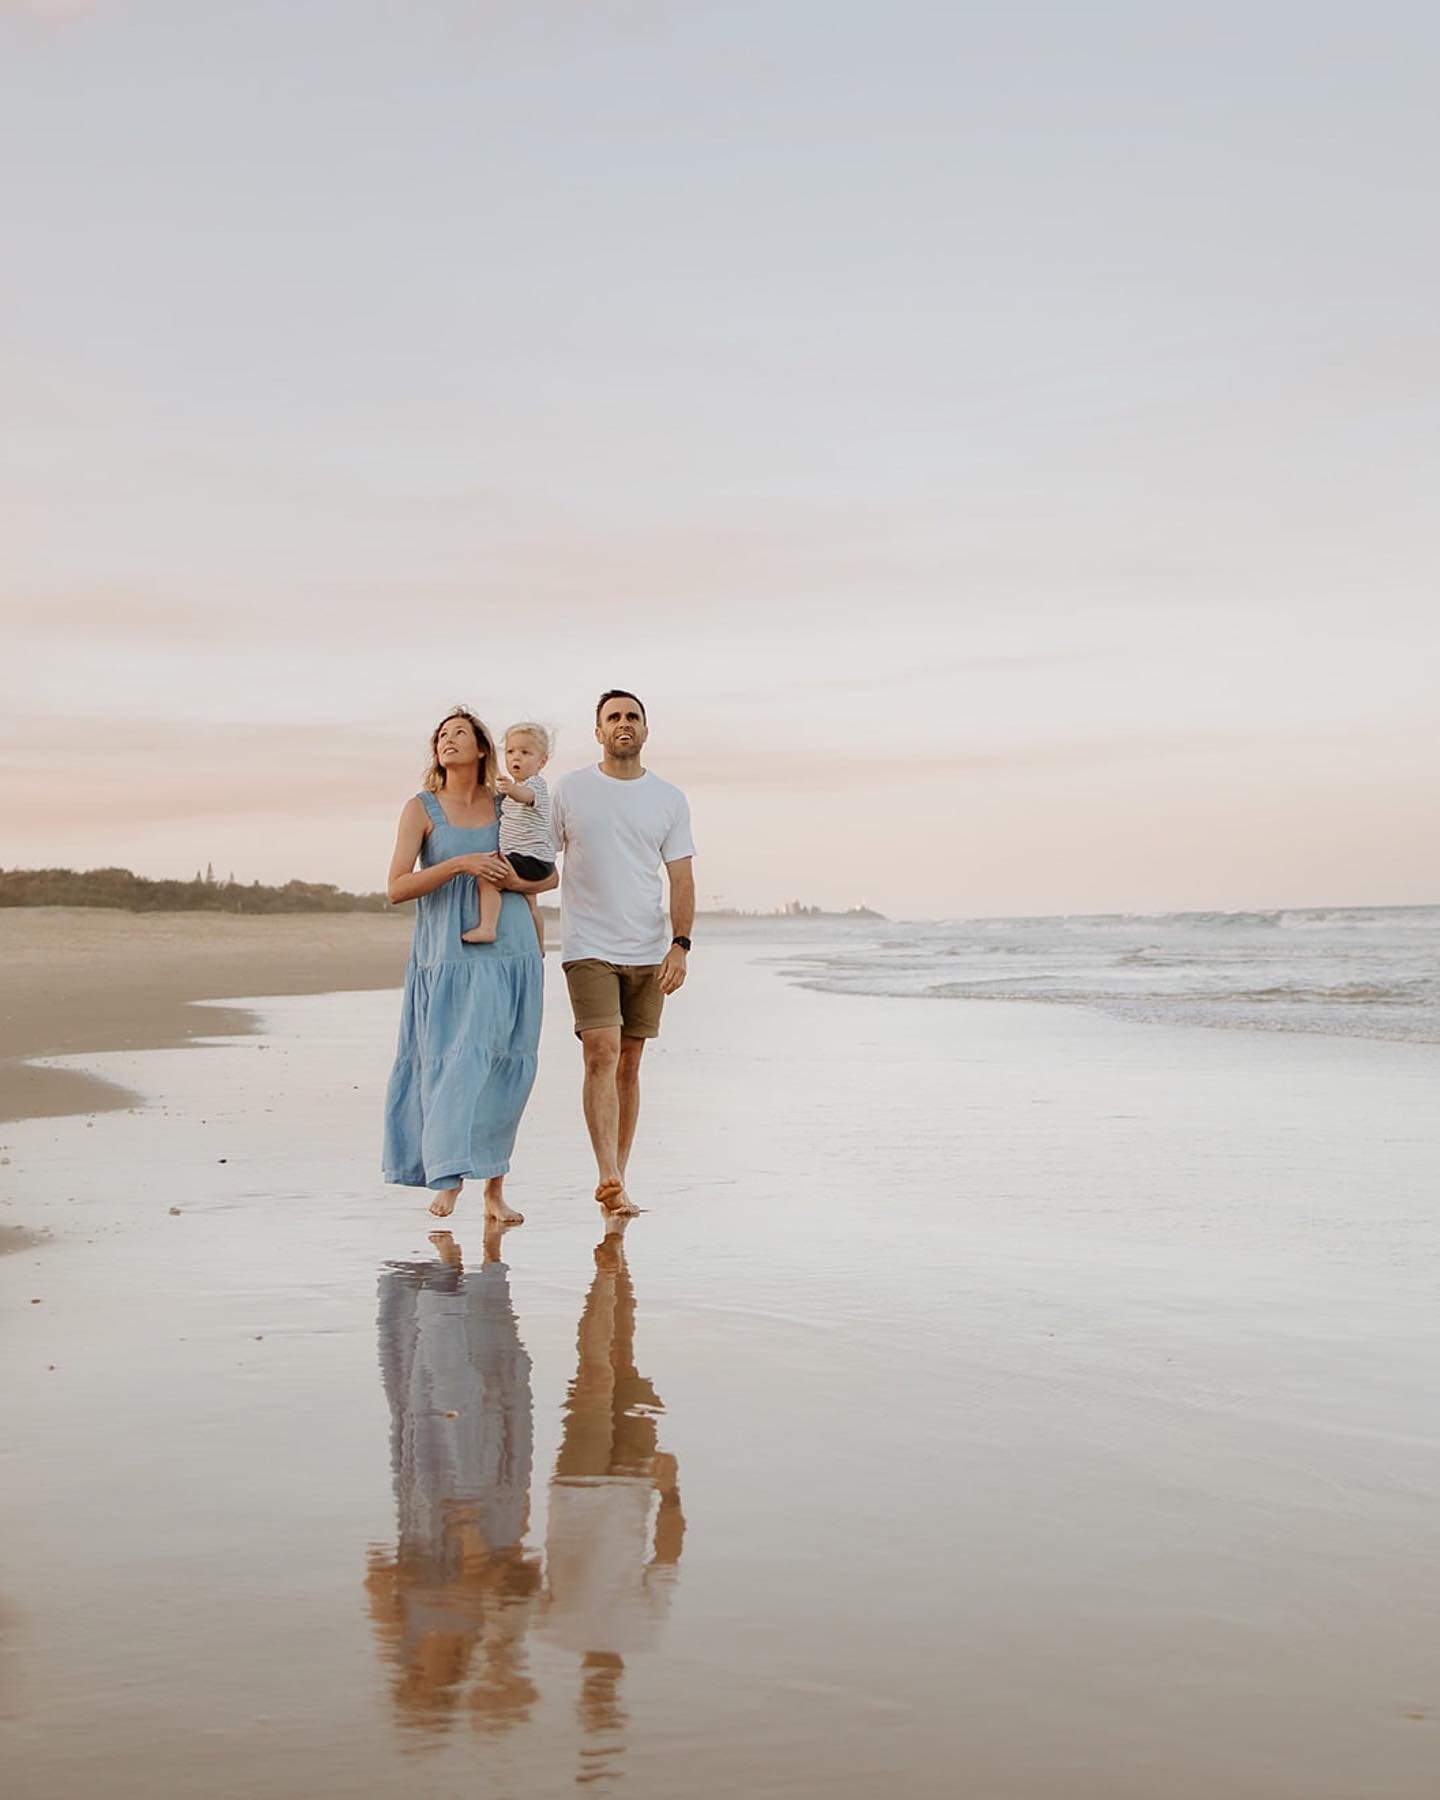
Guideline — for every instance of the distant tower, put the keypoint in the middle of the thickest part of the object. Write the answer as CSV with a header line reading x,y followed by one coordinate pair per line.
x,y
209,874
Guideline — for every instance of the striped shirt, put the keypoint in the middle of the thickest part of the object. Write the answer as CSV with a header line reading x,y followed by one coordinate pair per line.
x,y
525,830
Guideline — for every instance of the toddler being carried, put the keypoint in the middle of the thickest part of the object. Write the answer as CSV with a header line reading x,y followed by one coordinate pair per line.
x,y
525,841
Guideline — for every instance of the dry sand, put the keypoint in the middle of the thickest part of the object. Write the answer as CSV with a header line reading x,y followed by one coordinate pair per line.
x,y
1007,1402
81,978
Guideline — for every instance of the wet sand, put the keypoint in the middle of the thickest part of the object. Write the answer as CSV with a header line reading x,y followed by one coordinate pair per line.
x,y
999,1401
14,1238
85,978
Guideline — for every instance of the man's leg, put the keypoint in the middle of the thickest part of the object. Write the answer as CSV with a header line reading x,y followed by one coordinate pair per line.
x,y
595,1000
627,1086
601,1048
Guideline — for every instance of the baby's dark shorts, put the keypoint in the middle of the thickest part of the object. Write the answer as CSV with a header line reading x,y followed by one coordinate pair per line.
x,y
530,868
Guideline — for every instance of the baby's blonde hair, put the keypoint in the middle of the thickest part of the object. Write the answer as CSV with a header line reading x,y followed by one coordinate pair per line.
x,y
531,728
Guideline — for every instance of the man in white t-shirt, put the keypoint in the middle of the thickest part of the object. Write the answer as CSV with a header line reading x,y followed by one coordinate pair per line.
x,y
614,824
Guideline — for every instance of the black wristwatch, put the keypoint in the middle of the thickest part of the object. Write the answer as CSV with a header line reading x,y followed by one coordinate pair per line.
x,y
683,942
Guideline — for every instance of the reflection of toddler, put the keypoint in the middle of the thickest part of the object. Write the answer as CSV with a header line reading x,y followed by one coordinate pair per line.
x,y
524,827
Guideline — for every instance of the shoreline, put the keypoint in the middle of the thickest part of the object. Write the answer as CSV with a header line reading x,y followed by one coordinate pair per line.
x,y
83,980
1114,1010
78,980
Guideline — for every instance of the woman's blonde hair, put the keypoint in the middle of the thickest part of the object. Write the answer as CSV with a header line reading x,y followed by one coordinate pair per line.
x,y
435,775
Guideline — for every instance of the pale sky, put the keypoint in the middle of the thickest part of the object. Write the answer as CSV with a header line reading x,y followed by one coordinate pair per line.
x,y
997,443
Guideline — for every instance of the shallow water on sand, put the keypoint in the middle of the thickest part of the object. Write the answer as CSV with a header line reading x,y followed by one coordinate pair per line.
x,y
997,1400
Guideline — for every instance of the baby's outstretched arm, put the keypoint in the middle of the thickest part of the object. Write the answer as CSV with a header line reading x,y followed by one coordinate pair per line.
x,y
515,790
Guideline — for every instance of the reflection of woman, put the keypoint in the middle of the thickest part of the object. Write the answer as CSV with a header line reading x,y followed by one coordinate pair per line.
x,y
470,1019
451,1606
609,1566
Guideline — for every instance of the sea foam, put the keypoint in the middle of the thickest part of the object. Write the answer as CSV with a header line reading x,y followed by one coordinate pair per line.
x,y
1347,971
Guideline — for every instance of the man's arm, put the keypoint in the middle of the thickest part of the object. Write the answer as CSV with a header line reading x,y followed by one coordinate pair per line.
x,y
669,1520
682,895
516,884
682,918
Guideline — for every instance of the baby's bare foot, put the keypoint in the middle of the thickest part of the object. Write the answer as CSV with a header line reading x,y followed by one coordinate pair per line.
x,y
478,936
444,1202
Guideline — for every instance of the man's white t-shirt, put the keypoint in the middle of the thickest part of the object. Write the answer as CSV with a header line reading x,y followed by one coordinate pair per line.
x,y
614,835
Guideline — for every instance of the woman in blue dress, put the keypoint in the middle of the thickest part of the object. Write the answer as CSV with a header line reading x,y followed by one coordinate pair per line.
x,y
470,1019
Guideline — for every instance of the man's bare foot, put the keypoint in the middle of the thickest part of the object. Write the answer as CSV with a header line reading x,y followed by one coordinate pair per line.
x,y
496,1209
479,935
446,1248
444,1202
612,1196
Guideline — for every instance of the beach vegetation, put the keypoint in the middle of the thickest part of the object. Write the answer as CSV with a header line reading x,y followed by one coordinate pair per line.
x,y
127,892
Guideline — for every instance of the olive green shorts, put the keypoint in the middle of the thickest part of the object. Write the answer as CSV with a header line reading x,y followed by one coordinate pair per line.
x,y
611,994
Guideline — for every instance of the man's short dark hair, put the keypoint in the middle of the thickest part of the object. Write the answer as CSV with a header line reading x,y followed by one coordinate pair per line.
x,y
619,694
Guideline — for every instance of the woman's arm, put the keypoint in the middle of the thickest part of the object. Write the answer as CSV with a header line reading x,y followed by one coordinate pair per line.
x,y
406,882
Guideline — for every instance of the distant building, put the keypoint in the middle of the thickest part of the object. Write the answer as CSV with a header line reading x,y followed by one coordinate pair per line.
x,y
797,909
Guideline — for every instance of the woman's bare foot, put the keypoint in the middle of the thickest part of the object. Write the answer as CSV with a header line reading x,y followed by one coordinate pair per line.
x,y
444,1202
447,1249
496,1209
612,1196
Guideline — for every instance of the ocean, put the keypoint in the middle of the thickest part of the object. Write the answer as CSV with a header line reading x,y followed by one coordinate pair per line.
x,y
1371,972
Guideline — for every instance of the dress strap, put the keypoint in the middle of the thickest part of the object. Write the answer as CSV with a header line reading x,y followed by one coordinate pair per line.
x,y
432,806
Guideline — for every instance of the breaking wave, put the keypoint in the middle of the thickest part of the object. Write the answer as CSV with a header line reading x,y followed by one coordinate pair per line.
x,y
1354,972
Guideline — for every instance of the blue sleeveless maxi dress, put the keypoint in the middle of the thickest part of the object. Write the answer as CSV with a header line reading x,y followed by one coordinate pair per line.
x,y
469,1027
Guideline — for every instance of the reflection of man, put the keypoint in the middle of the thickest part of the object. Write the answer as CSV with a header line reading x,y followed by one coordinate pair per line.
x,y
451,1606
615,1527
615,824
